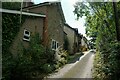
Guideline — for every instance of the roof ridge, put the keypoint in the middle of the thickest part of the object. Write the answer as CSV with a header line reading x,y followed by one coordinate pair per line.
x,y
42,4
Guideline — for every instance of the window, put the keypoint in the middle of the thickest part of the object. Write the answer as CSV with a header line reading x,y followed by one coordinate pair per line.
x,y
54,45
26,36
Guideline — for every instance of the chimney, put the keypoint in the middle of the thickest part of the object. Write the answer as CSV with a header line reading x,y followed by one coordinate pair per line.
x,y
27,3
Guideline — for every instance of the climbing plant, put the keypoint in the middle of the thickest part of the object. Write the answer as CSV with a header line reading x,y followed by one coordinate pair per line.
x,y
10,28
11,5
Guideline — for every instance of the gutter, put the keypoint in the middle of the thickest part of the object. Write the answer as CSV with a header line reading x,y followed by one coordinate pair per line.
x,y
19,12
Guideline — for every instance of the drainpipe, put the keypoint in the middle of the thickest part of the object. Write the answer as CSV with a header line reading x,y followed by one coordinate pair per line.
x,y
21,11
45,30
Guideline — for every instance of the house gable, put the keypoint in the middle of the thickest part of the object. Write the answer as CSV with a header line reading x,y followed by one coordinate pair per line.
x,y
54,21
42,6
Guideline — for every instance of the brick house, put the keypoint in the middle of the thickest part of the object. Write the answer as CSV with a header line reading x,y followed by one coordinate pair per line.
x,y
32,24
53,33
72,35
49,26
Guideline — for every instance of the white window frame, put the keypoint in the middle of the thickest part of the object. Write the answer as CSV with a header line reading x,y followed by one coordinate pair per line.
x,y
57,44
54,44
26,35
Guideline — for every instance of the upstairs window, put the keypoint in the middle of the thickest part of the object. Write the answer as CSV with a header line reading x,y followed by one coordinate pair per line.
x,y
26,36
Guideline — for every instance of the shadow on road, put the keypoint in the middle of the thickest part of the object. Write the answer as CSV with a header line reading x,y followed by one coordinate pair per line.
x,y
75,58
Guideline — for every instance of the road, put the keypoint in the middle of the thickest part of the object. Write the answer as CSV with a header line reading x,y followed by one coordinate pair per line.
x,y
82,68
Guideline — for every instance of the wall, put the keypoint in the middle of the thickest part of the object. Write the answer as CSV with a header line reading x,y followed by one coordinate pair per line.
x,y
53,22
76,42
84,44
70,35
32,24
39,10
55,25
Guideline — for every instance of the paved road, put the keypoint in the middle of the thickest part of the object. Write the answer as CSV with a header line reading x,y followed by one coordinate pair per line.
x,y
80,69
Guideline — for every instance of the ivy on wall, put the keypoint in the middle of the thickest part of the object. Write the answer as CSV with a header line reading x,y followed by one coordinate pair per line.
x,y
10,28
31,62
11,5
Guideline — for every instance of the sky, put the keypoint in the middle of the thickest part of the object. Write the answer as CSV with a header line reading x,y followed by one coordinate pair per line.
x,y
68,8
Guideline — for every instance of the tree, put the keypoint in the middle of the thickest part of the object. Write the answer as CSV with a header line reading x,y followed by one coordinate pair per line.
x,y
11,5
116,21
98,20
100,26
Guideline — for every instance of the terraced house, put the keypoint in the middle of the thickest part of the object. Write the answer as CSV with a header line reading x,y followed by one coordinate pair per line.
x,y
53,34
47,19
31,24
73,36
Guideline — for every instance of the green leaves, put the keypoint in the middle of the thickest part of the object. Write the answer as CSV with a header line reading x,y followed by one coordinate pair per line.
x,y
100,26
31,61
81,9
11,5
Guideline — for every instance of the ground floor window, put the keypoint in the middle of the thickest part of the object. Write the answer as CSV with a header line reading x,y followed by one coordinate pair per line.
x,y
54,44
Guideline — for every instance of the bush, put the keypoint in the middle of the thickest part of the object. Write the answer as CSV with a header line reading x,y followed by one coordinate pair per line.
x,y
107,62
48,68
61,57
31,62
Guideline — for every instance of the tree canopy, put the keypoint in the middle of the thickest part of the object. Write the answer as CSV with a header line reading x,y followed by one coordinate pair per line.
x,y
100,21
104,32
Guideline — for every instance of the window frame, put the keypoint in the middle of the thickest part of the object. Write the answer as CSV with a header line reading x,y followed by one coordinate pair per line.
x,y
54,44
26,35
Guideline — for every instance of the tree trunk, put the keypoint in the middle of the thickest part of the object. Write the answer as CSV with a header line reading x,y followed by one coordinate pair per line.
x,y
116,20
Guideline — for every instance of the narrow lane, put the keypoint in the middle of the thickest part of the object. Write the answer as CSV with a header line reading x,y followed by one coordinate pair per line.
x,y
83,69
80,69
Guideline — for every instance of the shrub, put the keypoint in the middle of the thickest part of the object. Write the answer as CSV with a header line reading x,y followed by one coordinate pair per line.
x,y
61,57
31,62
107,62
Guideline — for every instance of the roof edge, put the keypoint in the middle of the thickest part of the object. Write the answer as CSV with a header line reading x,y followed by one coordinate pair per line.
x,y
19,12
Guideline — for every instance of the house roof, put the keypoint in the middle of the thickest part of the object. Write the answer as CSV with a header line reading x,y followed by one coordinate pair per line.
x,y
42,4
47,4
38,5
75,29
19,12
65,33
67,25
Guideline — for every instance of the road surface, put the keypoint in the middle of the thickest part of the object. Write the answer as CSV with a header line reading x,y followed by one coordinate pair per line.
x,y
82,68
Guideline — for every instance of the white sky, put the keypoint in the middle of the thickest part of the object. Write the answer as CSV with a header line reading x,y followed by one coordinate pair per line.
x,y
68,8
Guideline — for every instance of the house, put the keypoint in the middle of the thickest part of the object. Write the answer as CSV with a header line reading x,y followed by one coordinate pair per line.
x,y
76,37
32,24
84,44
53,34
72,35
79,41
27,3
50,26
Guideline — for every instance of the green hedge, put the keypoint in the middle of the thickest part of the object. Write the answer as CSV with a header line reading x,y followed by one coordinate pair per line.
x,y
107,62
